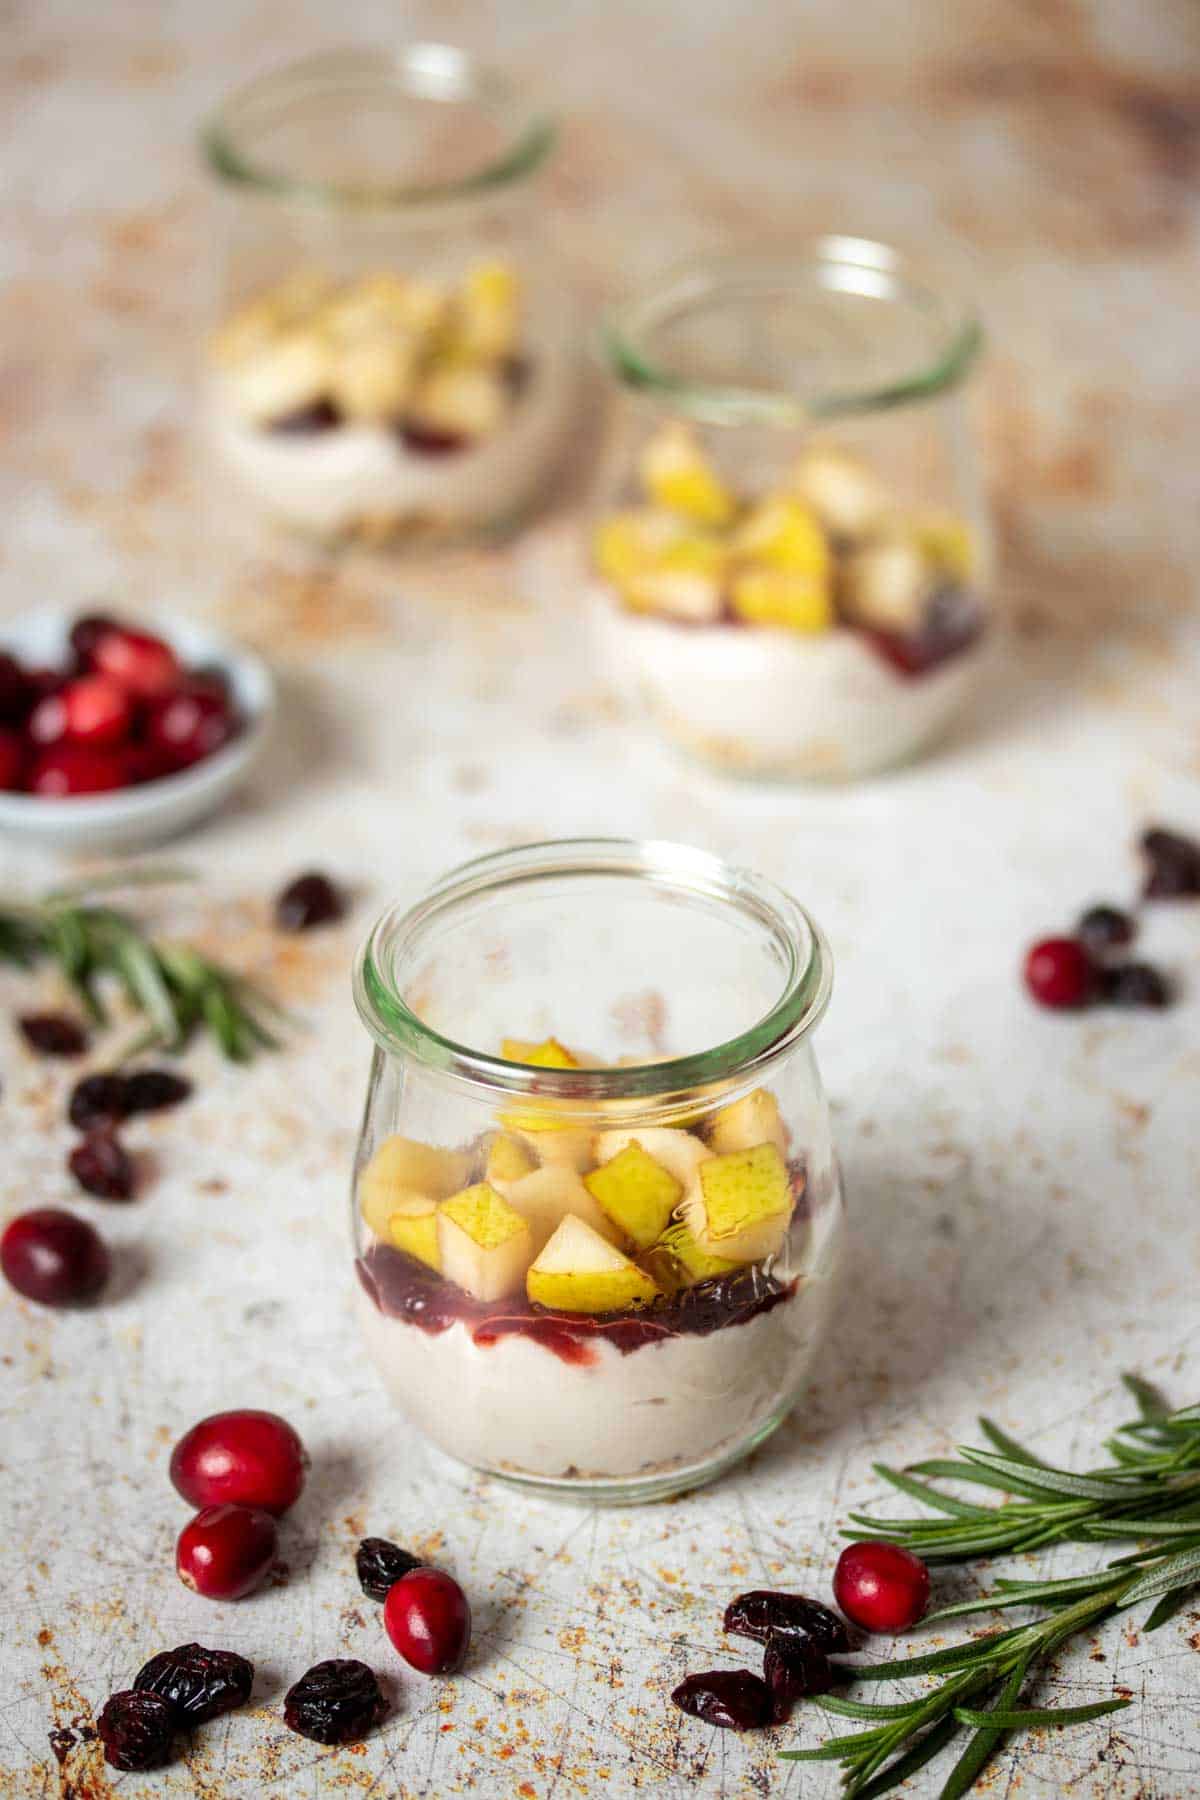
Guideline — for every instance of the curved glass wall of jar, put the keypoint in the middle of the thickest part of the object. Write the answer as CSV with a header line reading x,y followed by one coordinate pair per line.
x,y
596,1204
391,354
789,562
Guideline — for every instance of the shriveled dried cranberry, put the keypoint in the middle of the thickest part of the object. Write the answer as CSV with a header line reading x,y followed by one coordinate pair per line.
x,y
310,900
763,1612
1134,984
428,1618
1060,974
51,1256
226,1552
335,1702
136,1729
380,1565
153,1090
86,633
1172,865
198,1684
102,1165
246,1456
882,1587
793,1668
424,440
735,1699
1104,928
97,1100
321,415
53,1034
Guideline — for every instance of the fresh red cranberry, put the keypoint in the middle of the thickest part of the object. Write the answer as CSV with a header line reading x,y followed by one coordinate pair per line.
x,y
186,727
68,769
51,1256
1059,973
102,1166
86,633
428,1618
145,666
136,1730
1172,865
95,710
12,760
53,1033
1104,928
735,1699
882,1587
1135,984
308,901
226,1552
246,1457
15,692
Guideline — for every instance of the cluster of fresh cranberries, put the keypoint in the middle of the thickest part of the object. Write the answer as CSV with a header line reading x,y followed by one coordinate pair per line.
x,y
1090,967
124,710
879,1587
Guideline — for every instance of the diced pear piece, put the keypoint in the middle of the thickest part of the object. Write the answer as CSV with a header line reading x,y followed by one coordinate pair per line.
x,y
486,1246
687,582
558,1146
801,603
754,1119
489,311
579,1271
779,533
259,320
677,1259
739,1205
638,1194
947,544
544,1119
549,1054
847,498
291,370
546,1197
679,1152
462,399
382,303
886,585
373,375
676,474
507,1160
633,542
413,1228
403,1167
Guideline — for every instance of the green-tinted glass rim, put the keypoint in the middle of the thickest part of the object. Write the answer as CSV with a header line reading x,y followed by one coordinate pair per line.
x,y
437,72
808,972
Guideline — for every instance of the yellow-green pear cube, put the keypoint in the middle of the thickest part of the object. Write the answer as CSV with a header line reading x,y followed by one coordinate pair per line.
x,y
947,544
679,1260
740,1204
485,1245
402,1167
790,602
579,1271
680,1152
549,1054
781,534
676,474
507,1160
846,496
638,1194
413,1228
754,1119
545,1198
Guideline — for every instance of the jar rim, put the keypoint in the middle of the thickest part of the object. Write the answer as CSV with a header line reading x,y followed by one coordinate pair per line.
x,y
865,267
423,71
808,971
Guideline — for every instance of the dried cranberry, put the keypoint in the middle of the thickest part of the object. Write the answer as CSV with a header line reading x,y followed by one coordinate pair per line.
x,y
424,440
336,1702
226,1552
136,1730
51,1256
732,1698
186,727
321,415
428,1618
97,1100
86,633
53,1034
153,1090
198,1684
308,901
1105,928
761,1613
380,1565
248,1457
102,1165
1135,984
1172,865
882,1587
793,1668
12,760
67,769
1060,974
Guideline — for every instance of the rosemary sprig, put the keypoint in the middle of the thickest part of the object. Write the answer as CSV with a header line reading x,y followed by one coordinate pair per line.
x,y
175,989
1149,1493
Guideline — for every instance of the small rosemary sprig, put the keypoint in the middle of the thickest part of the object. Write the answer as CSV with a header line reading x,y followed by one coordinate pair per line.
x,y
175,988
1150,1492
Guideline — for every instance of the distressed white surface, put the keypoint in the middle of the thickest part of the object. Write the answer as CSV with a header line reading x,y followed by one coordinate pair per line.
x,y
1022,1188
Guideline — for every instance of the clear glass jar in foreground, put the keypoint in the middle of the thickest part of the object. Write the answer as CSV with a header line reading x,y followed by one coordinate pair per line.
x,y
391,357
791,560
596,1204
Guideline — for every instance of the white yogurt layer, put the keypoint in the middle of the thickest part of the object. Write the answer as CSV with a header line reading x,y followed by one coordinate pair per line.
x,y
515,1407
761,701
327,482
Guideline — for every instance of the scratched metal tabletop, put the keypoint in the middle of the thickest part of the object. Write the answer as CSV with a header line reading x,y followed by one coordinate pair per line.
x,y
1022,1187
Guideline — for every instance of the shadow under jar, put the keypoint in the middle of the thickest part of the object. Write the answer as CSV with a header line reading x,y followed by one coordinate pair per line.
x,y
596,1205
791,562
392,356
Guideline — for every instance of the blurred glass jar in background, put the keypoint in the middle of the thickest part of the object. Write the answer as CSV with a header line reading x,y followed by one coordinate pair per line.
x,y
791,558
391,357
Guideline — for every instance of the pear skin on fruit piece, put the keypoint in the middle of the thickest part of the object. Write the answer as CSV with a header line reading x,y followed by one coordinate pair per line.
x,y
413,1228
678,1151
545,1198
801,603
782,535
740,1204
507,1160
947,544
485,1245
677,1259
754,1119
579,1271
549,1054
676,474
402,1167
638,1194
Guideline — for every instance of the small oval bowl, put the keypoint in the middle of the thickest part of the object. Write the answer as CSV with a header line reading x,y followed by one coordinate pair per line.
x,y
135,816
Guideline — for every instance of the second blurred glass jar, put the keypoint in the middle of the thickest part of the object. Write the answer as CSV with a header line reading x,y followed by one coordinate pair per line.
x,y
792,557
391,357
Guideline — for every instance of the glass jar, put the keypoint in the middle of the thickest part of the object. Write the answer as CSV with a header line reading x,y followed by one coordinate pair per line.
x,y
392,356
596,1204
790,561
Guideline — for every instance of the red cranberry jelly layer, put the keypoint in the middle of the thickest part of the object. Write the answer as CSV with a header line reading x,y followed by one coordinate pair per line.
x,y
953,624
405,1289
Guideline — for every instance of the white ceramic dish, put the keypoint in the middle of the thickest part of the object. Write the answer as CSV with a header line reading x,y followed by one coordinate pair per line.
x,y
159,809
